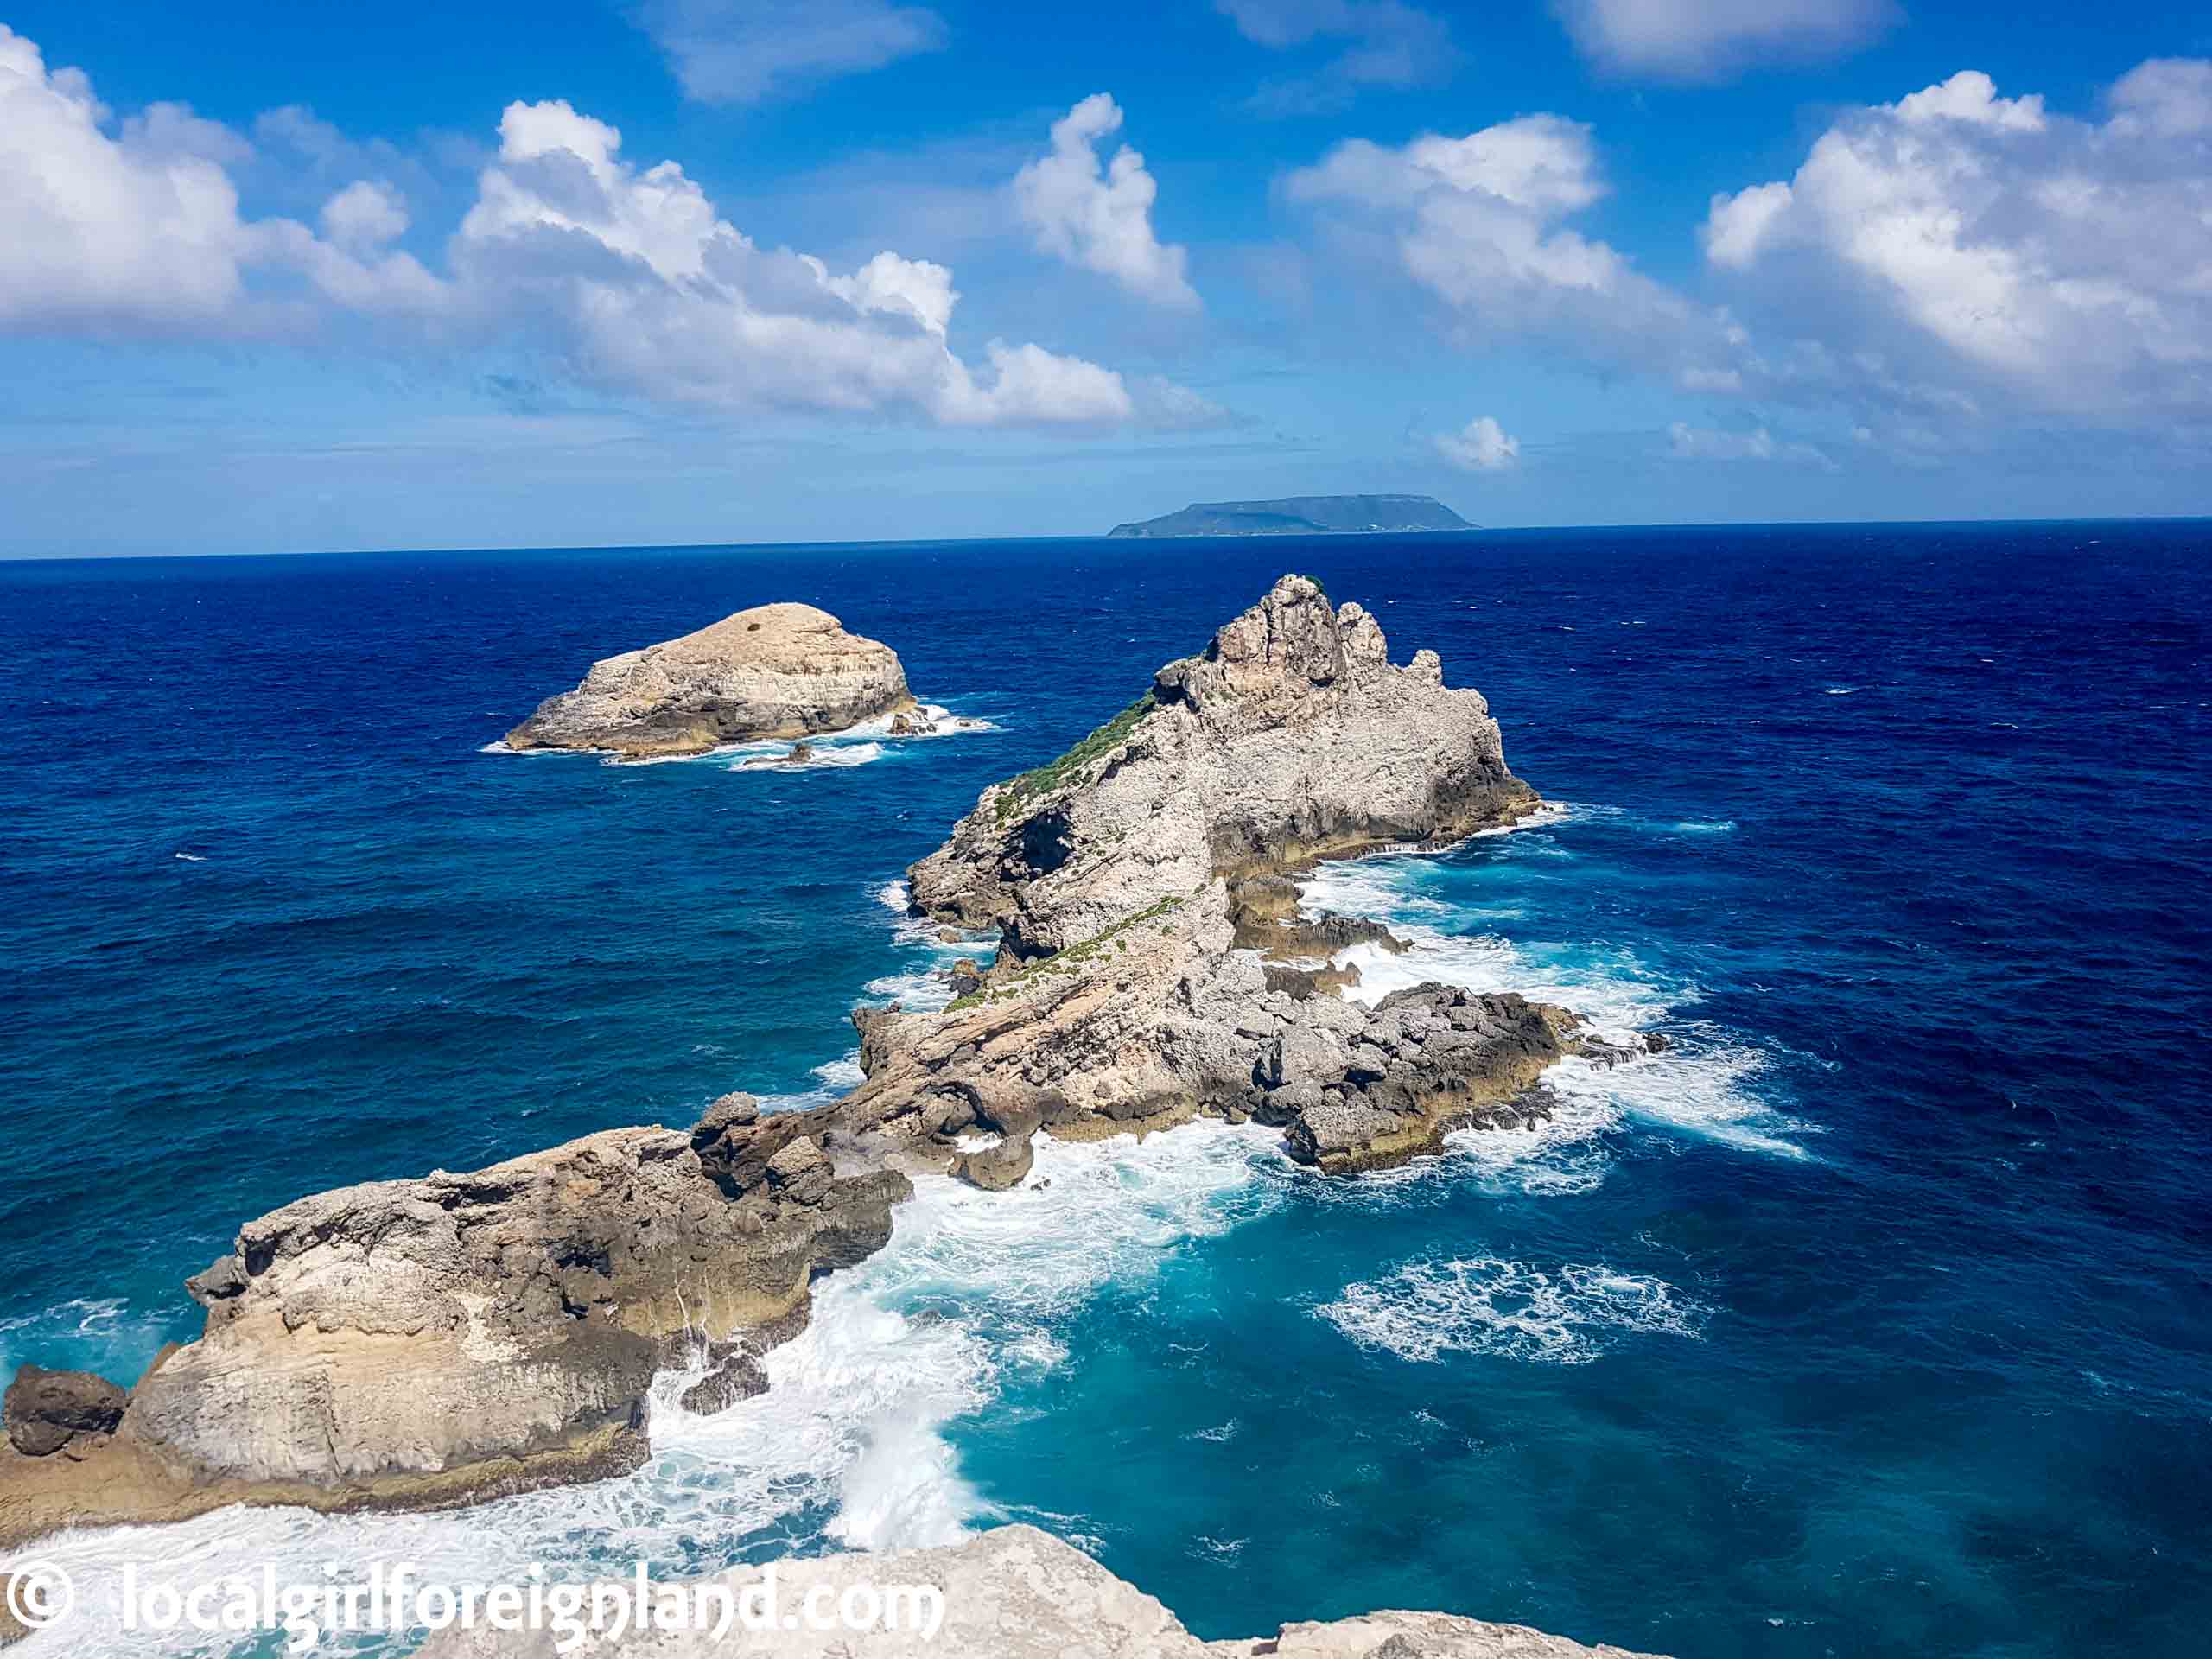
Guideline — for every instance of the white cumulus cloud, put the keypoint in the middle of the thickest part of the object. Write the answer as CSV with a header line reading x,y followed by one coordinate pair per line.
x,y
1998,248
139,228
1480,222
366,214
625,276
137,224
646,288
1483,446
1705,39
1099,215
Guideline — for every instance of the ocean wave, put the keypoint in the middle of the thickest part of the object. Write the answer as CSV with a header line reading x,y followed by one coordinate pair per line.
x,y
923,991
1484,1304
848,1445
849,746
925,932
843,1073
776,757
1702,1084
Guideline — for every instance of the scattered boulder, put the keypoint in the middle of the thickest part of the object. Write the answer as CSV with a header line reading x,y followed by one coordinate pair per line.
x,y
996,1168
45,1410
736,1375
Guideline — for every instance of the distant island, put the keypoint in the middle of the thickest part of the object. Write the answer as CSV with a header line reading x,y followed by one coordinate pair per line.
x,y
1302,515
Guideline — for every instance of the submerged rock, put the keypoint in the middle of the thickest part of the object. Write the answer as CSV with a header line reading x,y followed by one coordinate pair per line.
x,y
736,1375
774,672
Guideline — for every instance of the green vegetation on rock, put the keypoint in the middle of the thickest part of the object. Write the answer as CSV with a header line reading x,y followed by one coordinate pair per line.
x,y
1064,961
1016,793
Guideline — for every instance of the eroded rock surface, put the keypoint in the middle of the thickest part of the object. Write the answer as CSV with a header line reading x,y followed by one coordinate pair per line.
x,y
418,1343
774,672
1292,738
1015,1592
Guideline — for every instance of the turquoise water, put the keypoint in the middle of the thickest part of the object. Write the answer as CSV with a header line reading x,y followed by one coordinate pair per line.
x,y
1874,1318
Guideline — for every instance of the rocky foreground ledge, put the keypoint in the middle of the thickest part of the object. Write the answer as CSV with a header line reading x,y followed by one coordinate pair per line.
x,y
1015,1592
437,1342
774,672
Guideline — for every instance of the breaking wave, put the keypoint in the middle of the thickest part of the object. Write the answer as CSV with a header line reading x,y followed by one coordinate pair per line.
x,y
848,1446
1566,1316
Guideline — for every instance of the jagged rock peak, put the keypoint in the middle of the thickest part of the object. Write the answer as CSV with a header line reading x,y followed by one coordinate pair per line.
x,y
1289,645
1290,738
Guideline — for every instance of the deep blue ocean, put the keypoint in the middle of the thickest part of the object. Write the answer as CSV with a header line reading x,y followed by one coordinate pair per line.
x,y
1875,1319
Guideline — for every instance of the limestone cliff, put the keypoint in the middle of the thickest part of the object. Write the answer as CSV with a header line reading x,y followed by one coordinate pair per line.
x,y
774,672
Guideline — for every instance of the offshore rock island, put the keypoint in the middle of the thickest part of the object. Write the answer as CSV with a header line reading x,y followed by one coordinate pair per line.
x,y
436,1342
1301,515
772,671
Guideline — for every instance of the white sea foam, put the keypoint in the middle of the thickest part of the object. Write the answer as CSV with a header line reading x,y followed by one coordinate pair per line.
x,y
777,757
1703,1085
851,1431
1483,1304
849,746
922,930
842,1073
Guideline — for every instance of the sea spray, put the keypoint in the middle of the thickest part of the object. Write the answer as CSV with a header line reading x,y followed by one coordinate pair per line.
x,y
846,1450
1703,1084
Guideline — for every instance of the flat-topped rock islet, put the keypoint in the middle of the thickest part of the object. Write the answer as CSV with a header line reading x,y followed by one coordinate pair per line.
x,y
775,672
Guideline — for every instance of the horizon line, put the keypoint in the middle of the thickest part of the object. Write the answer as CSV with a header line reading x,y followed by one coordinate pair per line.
x,y
994,541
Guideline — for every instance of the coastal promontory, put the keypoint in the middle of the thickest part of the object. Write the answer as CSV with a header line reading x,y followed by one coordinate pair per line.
x,y
770,672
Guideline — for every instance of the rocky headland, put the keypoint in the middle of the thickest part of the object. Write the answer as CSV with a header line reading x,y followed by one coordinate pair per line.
x,y
775,672
437,1341
1015,1592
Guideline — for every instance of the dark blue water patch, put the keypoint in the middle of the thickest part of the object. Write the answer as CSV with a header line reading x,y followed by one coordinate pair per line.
x,y
1881,1325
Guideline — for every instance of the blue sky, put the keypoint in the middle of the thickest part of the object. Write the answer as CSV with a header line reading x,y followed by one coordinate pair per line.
x,y
702,271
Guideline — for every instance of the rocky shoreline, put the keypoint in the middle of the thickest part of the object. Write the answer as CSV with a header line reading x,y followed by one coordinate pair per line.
x,y
422,1343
